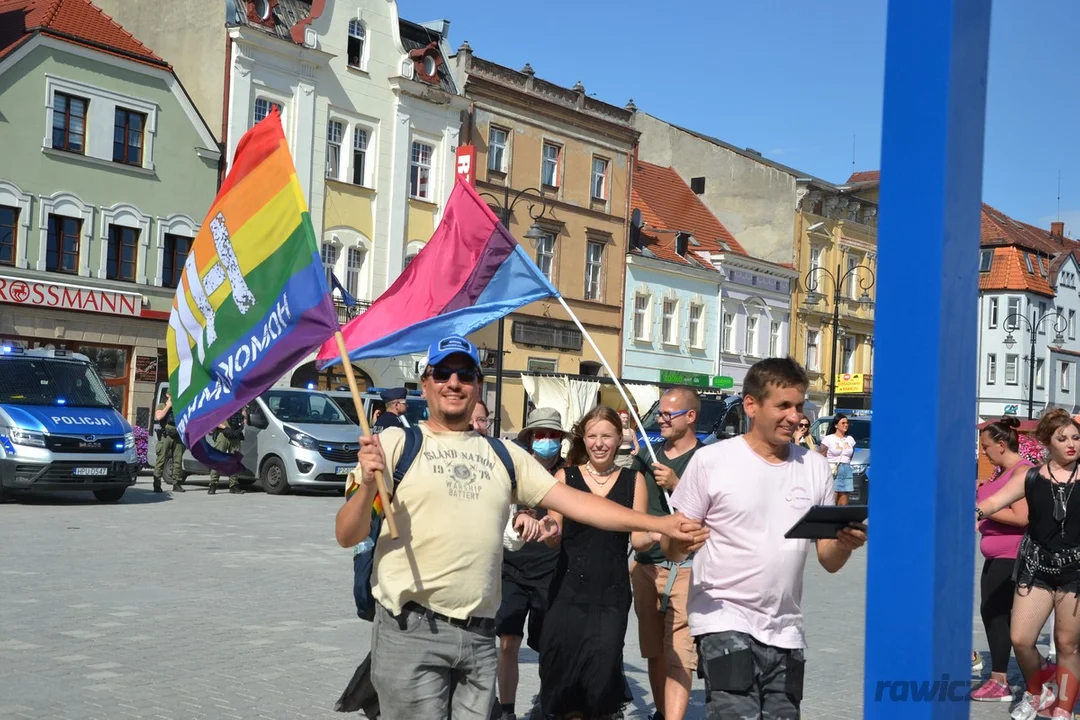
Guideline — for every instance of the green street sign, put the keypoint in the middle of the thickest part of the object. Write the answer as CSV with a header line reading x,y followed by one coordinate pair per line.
x,y
723,382
674,377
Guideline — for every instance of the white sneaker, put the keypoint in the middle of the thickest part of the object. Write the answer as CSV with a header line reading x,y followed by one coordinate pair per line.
x,y
1048,696
976,663
1025,709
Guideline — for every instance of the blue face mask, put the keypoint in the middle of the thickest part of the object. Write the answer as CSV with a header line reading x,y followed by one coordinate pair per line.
x,y
546,448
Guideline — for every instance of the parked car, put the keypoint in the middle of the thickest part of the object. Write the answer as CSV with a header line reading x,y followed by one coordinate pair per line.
x,y
721,417
416,405
858,428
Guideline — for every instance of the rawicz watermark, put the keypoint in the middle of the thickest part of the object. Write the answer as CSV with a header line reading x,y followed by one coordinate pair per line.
x,y
944,689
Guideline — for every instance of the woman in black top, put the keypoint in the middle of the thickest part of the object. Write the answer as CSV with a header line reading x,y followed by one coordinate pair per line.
x,y
1047,567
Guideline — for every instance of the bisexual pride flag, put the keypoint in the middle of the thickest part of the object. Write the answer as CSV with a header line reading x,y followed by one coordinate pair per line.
x,y
252,301
471,273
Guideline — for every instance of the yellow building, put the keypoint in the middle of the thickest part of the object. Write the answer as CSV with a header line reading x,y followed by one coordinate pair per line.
x,y
836,253
569,155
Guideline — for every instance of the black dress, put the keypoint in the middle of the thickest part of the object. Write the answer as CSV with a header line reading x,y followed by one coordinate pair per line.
x,y
581,647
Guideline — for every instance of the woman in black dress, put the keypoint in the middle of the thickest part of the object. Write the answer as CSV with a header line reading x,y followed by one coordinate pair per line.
x,y
581,646
1047,571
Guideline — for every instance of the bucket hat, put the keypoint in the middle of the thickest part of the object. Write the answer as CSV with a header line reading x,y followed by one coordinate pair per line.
x,y
543,418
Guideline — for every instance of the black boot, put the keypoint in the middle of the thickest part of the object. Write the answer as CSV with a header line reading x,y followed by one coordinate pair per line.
x,y
212,490
177,487
236,490
157,485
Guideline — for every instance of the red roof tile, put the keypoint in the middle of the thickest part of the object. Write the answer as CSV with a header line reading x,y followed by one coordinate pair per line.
x,y
1013,242
669,205
77,21
864,176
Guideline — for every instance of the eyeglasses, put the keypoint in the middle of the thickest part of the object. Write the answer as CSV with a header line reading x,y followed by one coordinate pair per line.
x,y
668,416
466,375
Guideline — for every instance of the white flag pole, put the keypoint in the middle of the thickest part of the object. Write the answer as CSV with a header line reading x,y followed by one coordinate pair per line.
x,y
622,391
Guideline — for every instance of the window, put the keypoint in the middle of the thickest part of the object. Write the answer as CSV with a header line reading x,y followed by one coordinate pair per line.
x,y
353,265
172,265
542,365
1039,368
751,347
262,109
334,133
853,278
992,313
728,341
549,171
9,221
1012,366
1072,313
359,155
497,149
847,358
774,339
69,123
123,250
669,324
991,369
329,260
1042,313
694,328
815,258
411,251
1027,260
986,259
641,317
1014,309
128,137
1066,374
813,350
594,255
357,36
599,178
545,254
420,171
62,250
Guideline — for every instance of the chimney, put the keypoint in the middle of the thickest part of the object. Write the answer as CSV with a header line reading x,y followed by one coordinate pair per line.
x,y
1057,230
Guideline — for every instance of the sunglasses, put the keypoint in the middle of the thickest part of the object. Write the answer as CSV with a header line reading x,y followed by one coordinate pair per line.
x,y
804,425
466,375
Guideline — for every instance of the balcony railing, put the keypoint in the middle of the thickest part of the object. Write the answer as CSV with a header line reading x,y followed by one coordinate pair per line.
x,y
345,313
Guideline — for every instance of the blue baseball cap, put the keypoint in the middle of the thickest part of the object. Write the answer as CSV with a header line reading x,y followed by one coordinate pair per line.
x,y
452,345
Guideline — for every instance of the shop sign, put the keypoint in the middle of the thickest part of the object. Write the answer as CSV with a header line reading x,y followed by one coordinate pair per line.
x,y
673,377
465,167
68,297
1011,409
146,368
851,383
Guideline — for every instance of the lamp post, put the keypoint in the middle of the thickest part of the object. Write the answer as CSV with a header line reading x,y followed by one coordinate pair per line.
x,y
813,297
534,233
1012,323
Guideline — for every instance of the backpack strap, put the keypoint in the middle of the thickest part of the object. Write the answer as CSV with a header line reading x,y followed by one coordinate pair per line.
x,y
507,461
414,438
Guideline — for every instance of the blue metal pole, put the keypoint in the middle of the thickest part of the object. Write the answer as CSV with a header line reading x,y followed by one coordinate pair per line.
x,y
921,548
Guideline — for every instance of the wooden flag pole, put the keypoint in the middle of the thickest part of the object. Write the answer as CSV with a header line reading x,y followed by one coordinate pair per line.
x,y
380,482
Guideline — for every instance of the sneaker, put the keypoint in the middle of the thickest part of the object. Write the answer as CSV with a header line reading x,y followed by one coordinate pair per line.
x,y
976,663
1061,713
1048,696
993,691
1025,709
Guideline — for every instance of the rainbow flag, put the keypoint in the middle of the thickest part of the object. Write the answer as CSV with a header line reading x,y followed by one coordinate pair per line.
x,y
253,300
471,273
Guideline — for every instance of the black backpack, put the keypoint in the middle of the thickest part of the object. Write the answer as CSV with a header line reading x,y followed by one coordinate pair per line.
x,y
364,558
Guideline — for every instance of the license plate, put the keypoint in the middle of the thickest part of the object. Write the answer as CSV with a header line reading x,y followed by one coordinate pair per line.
x,y
91,471
345,469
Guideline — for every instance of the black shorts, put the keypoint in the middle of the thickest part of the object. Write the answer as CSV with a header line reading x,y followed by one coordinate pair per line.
x,y
518,602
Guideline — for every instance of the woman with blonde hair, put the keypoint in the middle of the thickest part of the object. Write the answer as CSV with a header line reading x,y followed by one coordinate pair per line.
x,y
581,647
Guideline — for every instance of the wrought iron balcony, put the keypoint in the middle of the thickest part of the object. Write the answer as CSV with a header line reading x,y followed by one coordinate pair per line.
x,y
345,313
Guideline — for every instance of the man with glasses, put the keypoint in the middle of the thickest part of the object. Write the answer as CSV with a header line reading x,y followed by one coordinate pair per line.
x,y
661,586
438,584
396,405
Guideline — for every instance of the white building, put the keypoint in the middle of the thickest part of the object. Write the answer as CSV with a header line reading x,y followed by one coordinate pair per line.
x,y
1027,290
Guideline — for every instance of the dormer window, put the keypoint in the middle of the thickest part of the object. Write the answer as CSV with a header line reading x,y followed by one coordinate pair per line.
x,y
682,244
429,66
261,11
426,62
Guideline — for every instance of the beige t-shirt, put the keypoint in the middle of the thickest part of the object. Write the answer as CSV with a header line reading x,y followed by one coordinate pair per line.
x,y
451,509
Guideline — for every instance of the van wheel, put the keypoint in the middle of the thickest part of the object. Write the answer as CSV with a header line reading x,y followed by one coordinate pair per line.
x,y
110,495
273,476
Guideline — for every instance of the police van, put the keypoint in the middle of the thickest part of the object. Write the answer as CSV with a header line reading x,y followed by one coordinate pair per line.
x,y
58,428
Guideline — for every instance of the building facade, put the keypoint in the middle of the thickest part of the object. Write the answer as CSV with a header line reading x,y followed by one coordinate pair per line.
x,y
1028,296
100,195
568,156
836,242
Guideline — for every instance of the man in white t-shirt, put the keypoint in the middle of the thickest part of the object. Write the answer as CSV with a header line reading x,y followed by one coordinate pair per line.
x,y
745,602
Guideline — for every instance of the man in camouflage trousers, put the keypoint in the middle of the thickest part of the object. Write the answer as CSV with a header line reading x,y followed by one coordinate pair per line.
x,y
227,439
169,448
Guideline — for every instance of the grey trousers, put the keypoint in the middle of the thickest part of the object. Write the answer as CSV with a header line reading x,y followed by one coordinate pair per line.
x,y
747,680
424,667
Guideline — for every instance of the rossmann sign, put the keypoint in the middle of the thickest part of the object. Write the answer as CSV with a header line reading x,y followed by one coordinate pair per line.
x,y
69,297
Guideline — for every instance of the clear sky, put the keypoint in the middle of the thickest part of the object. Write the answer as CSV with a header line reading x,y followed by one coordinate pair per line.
x,y
800,82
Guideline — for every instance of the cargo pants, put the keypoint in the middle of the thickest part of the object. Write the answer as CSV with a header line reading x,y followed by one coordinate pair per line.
x,y
169,450
747,679
225,445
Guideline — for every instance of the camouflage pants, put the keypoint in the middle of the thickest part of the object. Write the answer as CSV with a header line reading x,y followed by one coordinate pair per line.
x,y
169,450
225,445
747,680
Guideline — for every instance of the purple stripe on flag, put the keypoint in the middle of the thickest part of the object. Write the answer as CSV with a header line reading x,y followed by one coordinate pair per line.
x,y
498,248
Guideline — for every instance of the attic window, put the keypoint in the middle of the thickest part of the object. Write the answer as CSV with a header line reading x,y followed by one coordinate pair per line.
x,y
262,9
697,185
682,244
1027,260
1042,267
986,259
426,63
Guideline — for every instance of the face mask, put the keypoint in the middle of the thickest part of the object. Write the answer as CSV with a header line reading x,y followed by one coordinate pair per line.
x,y
545,448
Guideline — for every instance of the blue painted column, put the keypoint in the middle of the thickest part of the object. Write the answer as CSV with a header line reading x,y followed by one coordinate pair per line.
x,y
922,520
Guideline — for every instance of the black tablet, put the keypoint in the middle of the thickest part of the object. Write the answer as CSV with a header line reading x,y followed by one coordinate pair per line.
x,y
822,522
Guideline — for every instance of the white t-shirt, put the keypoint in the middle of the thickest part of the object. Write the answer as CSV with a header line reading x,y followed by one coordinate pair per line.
x,y
748,577
839,449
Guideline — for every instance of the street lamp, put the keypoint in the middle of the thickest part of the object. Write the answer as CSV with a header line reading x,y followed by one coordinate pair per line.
x,y
534,233
813,298
1012,324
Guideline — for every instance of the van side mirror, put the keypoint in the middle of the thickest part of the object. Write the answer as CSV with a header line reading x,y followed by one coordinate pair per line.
x,y
256,419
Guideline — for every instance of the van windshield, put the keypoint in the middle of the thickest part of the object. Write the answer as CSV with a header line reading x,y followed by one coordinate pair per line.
x,y
46,381
304,407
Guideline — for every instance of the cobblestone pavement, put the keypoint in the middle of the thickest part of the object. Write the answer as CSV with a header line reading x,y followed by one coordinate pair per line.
x,y
240,606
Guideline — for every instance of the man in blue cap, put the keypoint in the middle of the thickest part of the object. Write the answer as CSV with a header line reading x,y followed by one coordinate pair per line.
x,y
394,414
